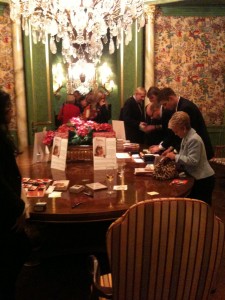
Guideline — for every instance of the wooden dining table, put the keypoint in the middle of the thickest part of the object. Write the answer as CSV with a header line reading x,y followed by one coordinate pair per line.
x,y
100,205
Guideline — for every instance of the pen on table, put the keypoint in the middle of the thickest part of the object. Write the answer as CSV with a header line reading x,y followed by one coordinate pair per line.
x,y
76,204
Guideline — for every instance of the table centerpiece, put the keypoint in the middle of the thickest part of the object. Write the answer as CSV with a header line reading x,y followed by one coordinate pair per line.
x,y
80,136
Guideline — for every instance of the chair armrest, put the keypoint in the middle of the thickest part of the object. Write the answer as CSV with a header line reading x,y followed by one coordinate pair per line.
x,y
96,289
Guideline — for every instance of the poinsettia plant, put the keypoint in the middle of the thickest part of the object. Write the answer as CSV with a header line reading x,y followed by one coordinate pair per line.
x,y
80,132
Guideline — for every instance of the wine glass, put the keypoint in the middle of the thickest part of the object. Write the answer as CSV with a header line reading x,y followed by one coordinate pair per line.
x,y
120,170
110,173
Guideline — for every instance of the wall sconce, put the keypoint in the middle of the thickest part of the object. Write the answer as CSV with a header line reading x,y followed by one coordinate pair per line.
x,y
105,75
58,78
81,77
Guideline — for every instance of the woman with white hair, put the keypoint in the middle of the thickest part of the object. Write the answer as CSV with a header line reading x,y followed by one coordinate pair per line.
x,y
192,157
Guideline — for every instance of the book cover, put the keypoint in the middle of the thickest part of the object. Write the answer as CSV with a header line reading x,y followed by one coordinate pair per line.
x,y
61,185
35,193
104,151
95,186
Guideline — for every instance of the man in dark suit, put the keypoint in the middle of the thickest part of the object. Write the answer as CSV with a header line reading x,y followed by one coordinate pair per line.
x,y
169,100
133,116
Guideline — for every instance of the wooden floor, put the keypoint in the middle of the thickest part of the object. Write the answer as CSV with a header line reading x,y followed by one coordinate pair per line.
x,y
64,277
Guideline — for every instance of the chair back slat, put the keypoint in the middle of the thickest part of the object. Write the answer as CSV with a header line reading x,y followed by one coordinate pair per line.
x,y
216,252
165,249
193,249
171,235
146,252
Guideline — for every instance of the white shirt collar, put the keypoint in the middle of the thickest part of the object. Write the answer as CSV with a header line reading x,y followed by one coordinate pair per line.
x,y
178,102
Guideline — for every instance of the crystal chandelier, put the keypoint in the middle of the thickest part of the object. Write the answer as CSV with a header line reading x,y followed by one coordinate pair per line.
x,y
82,26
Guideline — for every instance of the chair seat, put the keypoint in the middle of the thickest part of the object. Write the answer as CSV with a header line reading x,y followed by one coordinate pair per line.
x,y
106,280
219,151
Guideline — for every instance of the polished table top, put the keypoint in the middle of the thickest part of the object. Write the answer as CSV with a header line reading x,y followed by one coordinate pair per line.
x,y
101,206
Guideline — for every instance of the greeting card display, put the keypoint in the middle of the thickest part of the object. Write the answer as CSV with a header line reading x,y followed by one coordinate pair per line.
x,y
59,151
118,127
40,151
104,150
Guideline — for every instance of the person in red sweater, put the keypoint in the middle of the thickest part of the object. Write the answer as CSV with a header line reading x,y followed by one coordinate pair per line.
x,y
68,110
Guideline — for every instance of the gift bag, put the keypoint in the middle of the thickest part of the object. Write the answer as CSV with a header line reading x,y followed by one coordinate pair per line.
x,y
165,169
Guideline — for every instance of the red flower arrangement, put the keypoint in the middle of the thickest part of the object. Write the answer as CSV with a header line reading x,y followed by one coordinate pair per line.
x,y
80,132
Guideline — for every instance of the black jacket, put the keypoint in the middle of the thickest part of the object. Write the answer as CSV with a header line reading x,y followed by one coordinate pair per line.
x,y
197,122
11,205
132,115
103,114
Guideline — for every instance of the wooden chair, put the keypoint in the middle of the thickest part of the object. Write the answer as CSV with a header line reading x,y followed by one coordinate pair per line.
x,y
219,151
166,248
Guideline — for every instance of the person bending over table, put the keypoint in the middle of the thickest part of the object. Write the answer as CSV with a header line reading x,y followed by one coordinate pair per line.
x,y
170,101
156,127
192,157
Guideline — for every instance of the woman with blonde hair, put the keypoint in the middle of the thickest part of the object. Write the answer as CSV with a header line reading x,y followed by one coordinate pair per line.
x,y
192,157
99,107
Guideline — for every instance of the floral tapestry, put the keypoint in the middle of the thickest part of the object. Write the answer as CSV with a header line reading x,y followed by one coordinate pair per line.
x,y
190,58
6,58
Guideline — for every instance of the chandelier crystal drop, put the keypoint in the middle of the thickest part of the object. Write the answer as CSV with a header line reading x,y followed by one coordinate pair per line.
x,y
82,26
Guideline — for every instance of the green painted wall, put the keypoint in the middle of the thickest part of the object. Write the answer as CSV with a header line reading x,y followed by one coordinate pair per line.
x,y
133,64
129,69
113,97
193,10
38,81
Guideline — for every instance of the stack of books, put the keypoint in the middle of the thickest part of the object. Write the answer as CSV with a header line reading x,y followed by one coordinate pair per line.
x,y
119,144
131,147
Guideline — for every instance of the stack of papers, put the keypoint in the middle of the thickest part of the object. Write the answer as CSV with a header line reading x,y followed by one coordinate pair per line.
x,y
122,155
131,147
149,167
142,171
